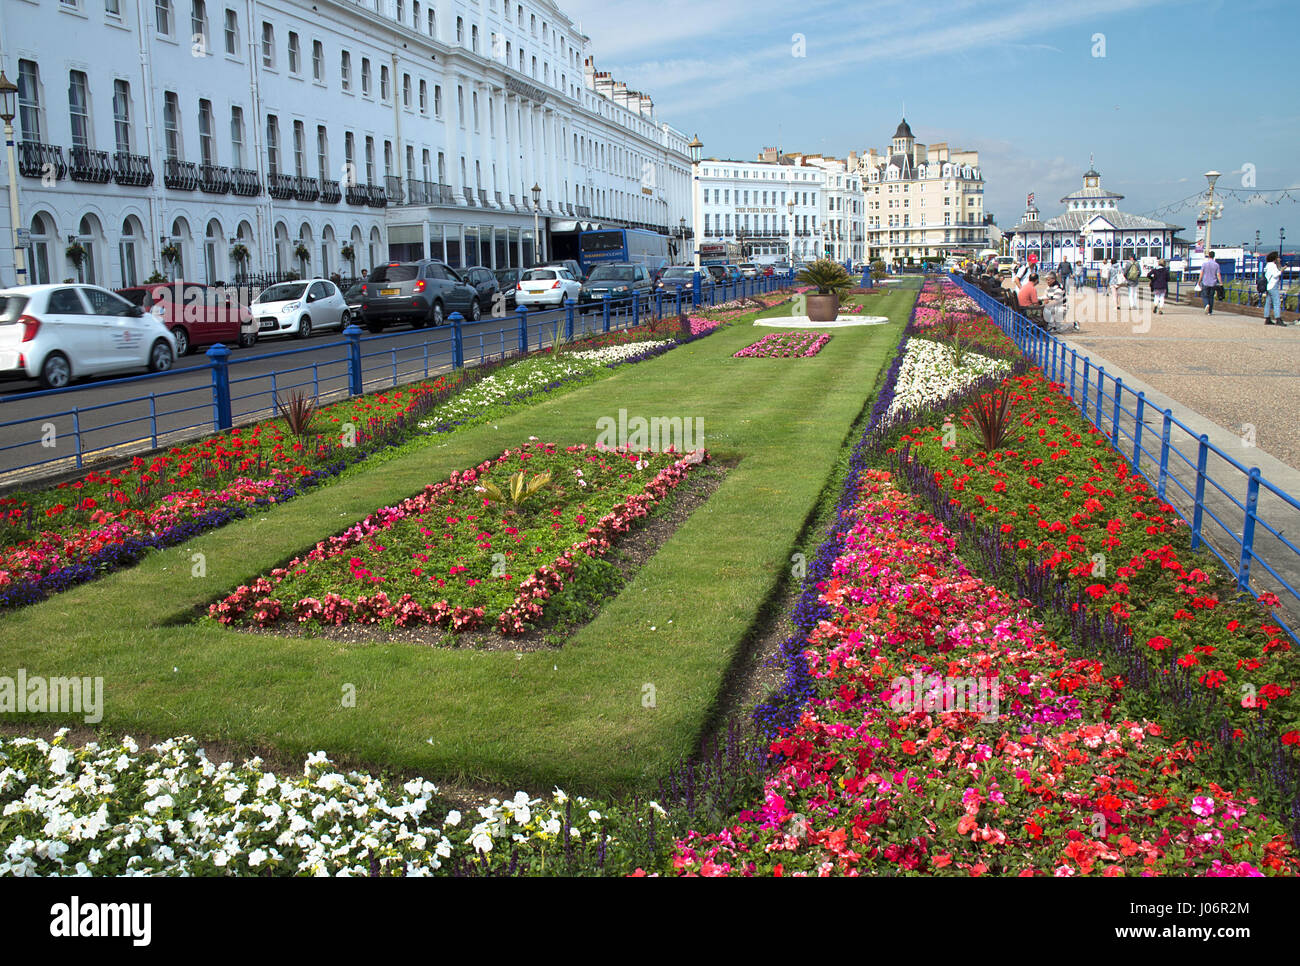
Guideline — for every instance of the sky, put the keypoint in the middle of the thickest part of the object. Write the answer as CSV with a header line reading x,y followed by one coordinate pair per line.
x,y
1158,92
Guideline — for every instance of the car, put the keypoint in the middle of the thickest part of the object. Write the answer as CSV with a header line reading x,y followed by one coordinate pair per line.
x,y
748,269
421,293
614,282
733,273
569,264
1006,264
486,284
299,308
353,299
718,273
508,278
58,333
769,271
678,278
548,287
197,315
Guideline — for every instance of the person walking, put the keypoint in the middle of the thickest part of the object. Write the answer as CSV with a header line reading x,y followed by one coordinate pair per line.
x,y
1273,291
1063,272
1159,285
1114,280
1210,279
1132,276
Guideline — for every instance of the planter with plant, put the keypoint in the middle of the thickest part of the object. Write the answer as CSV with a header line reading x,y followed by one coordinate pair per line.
x,y
239,253
171,253
302,254
349,255
832,281
76,253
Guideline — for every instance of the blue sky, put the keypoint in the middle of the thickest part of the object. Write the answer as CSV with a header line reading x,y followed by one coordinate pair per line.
x,y
1180,90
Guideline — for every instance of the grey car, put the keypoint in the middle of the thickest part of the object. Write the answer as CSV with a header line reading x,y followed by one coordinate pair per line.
x,y
421,293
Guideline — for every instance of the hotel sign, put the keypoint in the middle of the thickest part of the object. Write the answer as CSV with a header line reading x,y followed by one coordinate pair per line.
x,y
524,89
756,211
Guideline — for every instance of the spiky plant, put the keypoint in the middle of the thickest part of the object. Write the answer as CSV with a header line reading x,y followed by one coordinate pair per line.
x,y
992,415
521,488
830,278
298,410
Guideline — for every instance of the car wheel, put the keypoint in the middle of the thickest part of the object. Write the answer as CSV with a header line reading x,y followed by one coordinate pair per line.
x,y
475,311
160,357
436,316
182,340
247,340
304,327
56,371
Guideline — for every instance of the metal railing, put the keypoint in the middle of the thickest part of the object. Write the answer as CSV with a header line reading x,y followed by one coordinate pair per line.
x,y
244,389
1233,510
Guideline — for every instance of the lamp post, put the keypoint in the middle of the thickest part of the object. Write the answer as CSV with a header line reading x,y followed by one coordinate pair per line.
x,y
790,226
696,146
1281,237
8,97
1256,243
681,233
537,204
1209,209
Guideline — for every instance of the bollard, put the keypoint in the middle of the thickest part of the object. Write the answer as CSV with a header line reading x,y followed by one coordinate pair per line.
x,y
219,356
353,335
522,314
697,290
457,344
605,311
568,320
636,307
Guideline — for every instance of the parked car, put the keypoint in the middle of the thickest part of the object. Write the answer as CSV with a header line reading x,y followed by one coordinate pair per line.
x,y
421,293
733,273
197,315
485,284
353,299
679,278
769,271
615,282
748,270
547,287
570,264
718,273
299,308
508,278
58,333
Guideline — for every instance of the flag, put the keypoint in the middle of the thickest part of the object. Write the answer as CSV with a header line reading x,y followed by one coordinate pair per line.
x,y
1030,201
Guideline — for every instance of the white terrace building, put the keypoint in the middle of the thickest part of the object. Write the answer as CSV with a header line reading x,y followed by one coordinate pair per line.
x,y
395,128
757,203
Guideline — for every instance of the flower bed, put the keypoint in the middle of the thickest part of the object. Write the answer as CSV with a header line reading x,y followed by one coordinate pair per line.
x,y
931,372
459,556
785,345
886,769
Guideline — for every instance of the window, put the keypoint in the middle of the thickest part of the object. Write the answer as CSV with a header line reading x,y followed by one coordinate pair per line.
x,y
437,100
370,160
162,14
207,144
460,30
299,150
474,99
237,136
345,70
122,116
415,15
365,76
172,125
317,61
78,111
232,33
424,97
473,38
383,82
272,144
294,65
433,23
460,103
199,23
268,46
322,151
388,158
349,154
113,8
406,90
401,11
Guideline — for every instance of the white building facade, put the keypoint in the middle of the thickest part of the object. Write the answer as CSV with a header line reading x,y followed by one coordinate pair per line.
x,y
760,205
174,136
843,208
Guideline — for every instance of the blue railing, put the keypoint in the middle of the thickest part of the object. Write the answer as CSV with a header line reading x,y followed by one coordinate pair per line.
x,y
243,389
1239,515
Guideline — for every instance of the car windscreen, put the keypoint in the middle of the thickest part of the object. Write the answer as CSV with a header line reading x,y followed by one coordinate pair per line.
x,y
539,275
394,273
679,273
284,292
11,307
611,273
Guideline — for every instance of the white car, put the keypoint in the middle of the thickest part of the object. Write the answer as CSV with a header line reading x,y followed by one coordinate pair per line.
x,y
749,270
299,308
546,286
58,333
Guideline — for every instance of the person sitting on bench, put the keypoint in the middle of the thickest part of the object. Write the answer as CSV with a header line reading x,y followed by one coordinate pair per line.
x,y
1028,293
1054,303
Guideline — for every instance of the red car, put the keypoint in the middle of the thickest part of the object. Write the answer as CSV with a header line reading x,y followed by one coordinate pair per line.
x,y
768,270
197,315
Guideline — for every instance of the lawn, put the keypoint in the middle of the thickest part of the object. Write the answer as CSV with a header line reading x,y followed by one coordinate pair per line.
x,y
626,697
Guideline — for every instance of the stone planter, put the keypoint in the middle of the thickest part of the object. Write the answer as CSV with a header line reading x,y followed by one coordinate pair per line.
x,y
823,308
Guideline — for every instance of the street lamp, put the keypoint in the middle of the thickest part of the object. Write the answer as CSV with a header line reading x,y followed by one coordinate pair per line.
x,y
696,146
681,233
1209,209
537,203
8,98
790,211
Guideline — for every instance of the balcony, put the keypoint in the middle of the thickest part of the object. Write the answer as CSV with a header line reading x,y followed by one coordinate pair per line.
x,y
375,196
583,211
87,164
35,159
356,194
482,198
180,175
393,184
214,179
132,169
281,186
500,203
469,197
244,182
305,188
330,193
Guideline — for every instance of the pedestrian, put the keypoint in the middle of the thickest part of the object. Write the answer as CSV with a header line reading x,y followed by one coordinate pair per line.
x,y
1273,291
1159,285
1064,270
1132,276
1210,278
1114,279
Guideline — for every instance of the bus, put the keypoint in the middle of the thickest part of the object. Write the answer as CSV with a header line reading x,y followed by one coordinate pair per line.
x,y
635,245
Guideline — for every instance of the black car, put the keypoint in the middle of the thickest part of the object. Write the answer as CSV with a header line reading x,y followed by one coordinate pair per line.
x,y
353,297
719,273
508,278
421,293
614,282
678,278
486,284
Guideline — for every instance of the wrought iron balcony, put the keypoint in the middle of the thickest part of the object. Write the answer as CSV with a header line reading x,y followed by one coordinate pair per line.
x,y
375,196
36,160
245,183
419,192
87,164
281,186
330,193
132,169
180,175
356,194
393,184
214,179
306,188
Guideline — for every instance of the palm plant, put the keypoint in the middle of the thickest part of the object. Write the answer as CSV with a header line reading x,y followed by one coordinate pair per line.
x,y
830,278
521,488
298,411
992,418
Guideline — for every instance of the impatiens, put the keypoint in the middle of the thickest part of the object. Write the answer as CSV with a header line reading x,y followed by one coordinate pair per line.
x,y
785,345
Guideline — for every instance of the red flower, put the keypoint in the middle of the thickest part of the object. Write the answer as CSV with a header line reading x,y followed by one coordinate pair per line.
x,y
1158,643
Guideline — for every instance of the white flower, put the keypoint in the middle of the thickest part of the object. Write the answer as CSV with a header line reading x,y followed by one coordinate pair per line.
x,y
154,806
594,815
453,817
482,842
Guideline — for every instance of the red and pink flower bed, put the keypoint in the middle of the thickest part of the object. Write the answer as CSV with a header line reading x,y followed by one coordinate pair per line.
x,y
785,345
888,768
468,552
